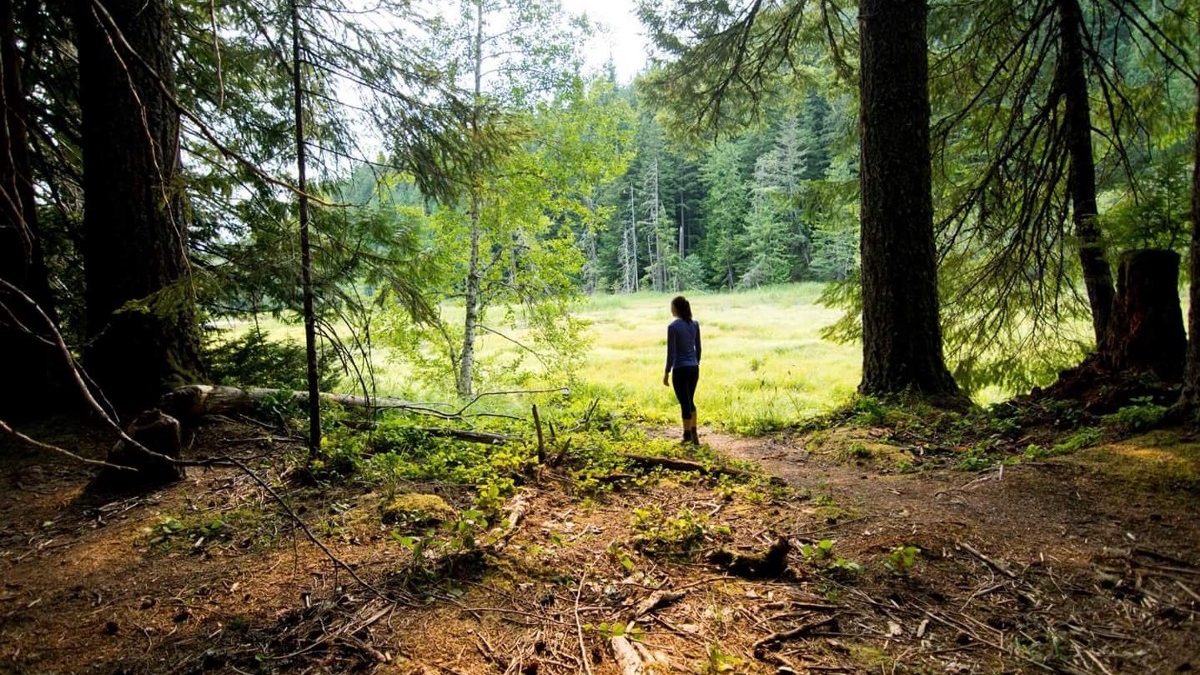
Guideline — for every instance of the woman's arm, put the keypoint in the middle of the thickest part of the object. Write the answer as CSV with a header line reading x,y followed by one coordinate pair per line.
x,y
697,342
670,348
670,356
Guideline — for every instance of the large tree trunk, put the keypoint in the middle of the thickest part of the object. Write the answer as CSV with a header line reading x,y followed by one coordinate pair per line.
x,y
140,309
1146,334
31,370
1081,177
902,339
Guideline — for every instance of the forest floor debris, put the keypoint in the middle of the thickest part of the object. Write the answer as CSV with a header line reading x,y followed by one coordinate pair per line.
x,y
897,560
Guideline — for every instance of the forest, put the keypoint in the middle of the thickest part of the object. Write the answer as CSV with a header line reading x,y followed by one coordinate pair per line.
x,y
331,333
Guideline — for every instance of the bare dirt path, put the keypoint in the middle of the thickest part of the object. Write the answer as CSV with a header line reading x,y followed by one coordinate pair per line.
x,y
1106,535
1081,564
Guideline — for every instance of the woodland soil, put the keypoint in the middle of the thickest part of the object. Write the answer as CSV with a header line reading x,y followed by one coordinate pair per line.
x,y
1084,563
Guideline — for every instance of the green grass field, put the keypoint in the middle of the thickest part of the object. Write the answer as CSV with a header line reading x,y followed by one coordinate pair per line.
x,y
764,362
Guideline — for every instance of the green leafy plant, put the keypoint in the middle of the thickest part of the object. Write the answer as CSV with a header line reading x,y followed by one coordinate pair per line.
x,y
822,556
678,535
1080,439
975,459
818,552
1142,415
720,663
843,569
869,411
1035,451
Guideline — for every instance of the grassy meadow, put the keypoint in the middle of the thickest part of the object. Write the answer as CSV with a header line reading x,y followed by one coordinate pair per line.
x,y
764,362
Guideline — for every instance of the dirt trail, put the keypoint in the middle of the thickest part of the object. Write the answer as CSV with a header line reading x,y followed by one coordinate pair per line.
x,y
1072,565
1111,551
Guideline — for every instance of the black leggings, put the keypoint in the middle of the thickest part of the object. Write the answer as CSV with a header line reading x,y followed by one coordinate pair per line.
x,y
684,380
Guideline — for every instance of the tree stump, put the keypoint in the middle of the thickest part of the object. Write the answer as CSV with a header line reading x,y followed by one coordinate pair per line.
x,y
157,432
1145,332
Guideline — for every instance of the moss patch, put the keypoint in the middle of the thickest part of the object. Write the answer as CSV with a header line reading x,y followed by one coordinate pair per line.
x,y
1164,461
416,510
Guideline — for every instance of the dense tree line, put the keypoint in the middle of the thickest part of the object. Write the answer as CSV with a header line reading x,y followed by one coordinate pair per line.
x,y
765,205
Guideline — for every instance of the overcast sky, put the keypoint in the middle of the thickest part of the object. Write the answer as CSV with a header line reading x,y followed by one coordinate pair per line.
x,y
624,41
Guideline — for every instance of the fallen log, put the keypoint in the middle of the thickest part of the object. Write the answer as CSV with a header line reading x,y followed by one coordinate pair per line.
x,y
628,660
676,464
774,640
199,400
193,402
634,659
656,600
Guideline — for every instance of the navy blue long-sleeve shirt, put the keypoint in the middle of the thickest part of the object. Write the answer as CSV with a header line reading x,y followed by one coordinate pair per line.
x,y
683,344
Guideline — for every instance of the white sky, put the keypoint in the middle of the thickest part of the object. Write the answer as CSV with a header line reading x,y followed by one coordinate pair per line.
x,y
624,41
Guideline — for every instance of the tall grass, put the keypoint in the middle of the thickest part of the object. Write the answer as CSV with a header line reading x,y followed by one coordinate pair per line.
x,y
764,362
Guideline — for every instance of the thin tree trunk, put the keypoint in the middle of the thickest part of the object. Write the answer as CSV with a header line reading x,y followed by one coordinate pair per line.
x,y
902,339
306,281
1190,398
1081,177
633,238
466,363
31,369
141,322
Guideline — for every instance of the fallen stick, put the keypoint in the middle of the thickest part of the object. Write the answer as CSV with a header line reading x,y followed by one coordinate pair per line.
x,y
783,636
628,659
537,424
656,600
990,563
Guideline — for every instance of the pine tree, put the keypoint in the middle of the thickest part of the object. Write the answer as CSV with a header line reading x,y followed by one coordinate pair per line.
x,y
902,342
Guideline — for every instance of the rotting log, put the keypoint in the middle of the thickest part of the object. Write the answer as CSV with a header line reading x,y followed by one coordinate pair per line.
x,y
675,464
770,564
196,401
199,400
628,660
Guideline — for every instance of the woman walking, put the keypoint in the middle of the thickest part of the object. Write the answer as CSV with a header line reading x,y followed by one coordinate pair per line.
x,y
683,360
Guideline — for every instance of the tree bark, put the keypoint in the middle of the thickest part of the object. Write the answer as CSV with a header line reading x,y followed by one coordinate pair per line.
x,y
306,282
1189,401
1081,176
141,327
1145,333
31,368
902,339
464,378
